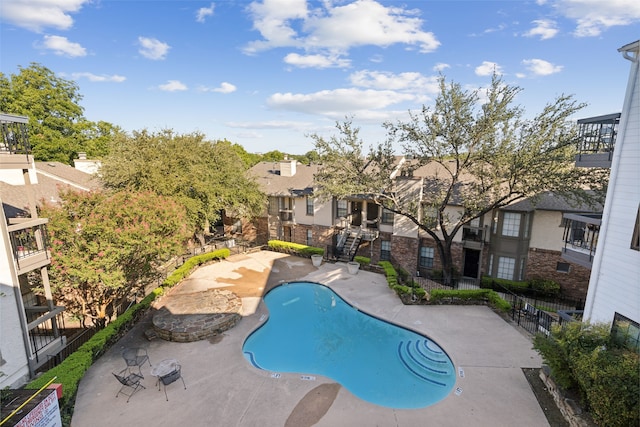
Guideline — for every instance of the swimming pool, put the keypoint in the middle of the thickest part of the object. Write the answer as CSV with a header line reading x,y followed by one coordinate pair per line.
x,y
311,330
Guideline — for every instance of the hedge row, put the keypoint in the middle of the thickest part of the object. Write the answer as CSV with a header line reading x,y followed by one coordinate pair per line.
x,y
471,295
406,293
296,248
534,286
72,369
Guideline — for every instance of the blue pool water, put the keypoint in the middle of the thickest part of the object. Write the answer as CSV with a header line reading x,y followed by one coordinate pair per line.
x,y
311,330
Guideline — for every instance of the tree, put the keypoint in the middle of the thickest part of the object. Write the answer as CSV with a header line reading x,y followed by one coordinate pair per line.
x,y
206,178
57,127
483,156
105,247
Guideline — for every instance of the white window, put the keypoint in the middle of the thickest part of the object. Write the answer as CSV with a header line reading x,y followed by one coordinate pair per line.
x,y
387,216
309,205
341,209
426,257
506,267
385,250
309,238
511,224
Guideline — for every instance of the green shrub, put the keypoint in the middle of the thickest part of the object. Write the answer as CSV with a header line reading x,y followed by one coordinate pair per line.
x,y
363,260
543,286
609,380
296,248
470,295
583,356
403,275
515,286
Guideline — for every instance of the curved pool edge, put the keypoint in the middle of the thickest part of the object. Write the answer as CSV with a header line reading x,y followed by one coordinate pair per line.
x,y
456,374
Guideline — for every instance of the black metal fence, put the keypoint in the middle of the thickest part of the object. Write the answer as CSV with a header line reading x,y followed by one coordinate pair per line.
x,y
74,341
534,312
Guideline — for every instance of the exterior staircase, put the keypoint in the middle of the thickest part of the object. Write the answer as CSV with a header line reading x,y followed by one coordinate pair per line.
x,y
348,243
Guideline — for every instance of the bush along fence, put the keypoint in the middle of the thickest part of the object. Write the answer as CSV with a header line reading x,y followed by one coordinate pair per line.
x,y
411,292
72,369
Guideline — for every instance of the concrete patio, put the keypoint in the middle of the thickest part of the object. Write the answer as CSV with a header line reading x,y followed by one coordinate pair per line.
x,y
223,389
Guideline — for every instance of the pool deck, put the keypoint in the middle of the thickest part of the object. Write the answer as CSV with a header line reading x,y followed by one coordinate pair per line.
x,y
223,389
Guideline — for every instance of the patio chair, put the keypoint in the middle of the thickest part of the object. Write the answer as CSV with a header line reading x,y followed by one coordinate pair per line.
x,y
136,357
130,383
172,377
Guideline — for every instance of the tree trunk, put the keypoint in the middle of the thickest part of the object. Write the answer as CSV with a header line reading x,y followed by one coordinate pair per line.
x,y
448,271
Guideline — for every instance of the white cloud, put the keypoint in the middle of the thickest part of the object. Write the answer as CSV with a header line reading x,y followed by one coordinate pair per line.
x,y
63,47
225,88
595,16
153,48
338,102
380,80
336,29
316,61
173,86
487,68
540,67
204,12
36,15
440,66
99,78
544,28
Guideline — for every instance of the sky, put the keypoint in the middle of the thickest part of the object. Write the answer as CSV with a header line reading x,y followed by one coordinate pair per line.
x,y
268,74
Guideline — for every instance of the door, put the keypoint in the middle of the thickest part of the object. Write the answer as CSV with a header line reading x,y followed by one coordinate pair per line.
x,y
372,215
471,263
356,214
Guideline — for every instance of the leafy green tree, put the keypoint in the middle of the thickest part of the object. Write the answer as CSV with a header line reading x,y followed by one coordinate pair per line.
x,y
249,159
484,153
105,247
57,127
205,177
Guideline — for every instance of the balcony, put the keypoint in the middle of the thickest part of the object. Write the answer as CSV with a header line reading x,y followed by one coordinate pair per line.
x,y
14,143
29,243
286,216
580,238
597,137
472,237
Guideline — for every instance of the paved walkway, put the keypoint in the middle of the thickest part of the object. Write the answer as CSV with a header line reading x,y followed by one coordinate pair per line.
x,y
223,389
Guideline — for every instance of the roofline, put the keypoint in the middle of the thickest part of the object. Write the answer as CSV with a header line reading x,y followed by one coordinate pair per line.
x,y
12,118
629,48
601,119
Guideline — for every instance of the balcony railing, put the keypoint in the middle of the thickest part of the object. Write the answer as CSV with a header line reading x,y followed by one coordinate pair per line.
x,y
286,215
15,138
580,238
597,137
29,244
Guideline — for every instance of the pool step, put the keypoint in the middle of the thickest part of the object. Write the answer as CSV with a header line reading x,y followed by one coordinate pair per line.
x,y
425,361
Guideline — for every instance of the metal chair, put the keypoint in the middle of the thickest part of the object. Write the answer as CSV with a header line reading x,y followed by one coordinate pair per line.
x,y
136,357
172,377
129,381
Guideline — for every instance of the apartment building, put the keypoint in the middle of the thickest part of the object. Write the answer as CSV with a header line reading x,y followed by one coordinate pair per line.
x,y
614,286
30,322
518,242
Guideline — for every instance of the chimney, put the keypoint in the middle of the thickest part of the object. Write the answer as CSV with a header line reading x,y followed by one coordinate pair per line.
x,y
287,167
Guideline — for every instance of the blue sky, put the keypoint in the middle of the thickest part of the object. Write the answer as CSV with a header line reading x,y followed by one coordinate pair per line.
x,y
266,74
